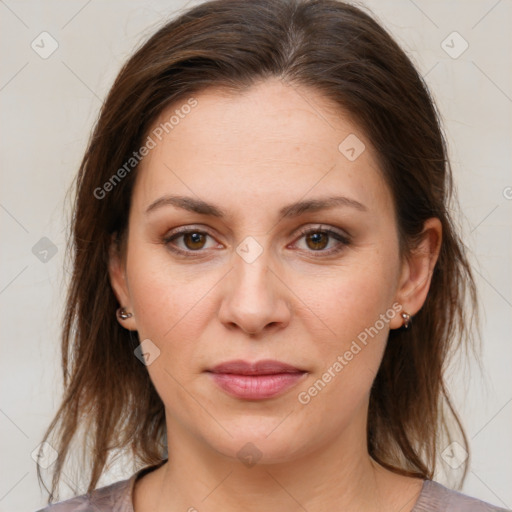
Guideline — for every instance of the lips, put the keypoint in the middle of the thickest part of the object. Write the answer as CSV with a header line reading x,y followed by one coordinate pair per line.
x,y
264,367
256,381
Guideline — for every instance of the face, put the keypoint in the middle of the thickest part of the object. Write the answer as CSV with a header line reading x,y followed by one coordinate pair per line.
x,y
234,271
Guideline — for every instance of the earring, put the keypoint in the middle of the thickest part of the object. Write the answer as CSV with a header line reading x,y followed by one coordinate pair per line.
x,y
123,314
407,320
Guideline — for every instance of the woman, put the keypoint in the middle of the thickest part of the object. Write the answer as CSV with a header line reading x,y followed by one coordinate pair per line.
x,y
267,282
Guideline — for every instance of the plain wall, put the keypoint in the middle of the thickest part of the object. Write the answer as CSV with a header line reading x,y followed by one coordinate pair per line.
x,y
48,107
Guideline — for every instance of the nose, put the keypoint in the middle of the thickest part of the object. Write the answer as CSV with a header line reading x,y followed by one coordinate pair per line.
x,y
254,299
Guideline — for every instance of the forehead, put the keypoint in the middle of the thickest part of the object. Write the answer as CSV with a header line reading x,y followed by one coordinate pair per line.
x,y
270,144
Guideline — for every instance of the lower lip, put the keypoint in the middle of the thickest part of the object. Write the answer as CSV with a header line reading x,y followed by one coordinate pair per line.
x,y
256,387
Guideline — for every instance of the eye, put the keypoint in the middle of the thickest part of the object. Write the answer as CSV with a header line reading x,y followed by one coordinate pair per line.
x,y
192,240
318,239
185,241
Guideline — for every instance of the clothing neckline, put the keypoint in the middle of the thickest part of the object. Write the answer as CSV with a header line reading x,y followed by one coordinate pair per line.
x,y
137,476
148,469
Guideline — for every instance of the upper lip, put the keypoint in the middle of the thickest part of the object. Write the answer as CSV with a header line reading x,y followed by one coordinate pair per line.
x,y
263,367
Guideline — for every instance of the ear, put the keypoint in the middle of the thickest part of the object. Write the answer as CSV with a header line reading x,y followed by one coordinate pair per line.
x,y
117,275
417,269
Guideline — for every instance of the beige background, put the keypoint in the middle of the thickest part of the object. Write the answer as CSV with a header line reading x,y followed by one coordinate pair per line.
x,y
48,107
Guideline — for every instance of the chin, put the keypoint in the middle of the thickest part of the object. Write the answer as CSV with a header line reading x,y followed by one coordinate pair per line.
x,y
259,442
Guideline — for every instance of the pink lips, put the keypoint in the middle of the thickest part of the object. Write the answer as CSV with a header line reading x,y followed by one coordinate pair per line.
x,y
255,381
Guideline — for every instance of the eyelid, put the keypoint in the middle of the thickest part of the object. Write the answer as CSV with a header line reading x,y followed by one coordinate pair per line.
x,y
187,229
323,228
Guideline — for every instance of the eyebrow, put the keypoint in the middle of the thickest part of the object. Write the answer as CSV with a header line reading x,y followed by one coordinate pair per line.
x,y
290,211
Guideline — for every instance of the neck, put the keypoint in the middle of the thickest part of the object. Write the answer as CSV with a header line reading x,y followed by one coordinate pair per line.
x,y
338,473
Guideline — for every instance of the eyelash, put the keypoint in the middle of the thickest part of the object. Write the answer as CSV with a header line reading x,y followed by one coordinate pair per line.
x,y
343,239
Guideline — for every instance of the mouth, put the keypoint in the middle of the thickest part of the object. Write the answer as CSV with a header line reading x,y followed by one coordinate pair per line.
x,y
256,381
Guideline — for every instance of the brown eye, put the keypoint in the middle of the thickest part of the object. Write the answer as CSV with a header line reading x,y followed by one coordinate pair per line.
x,y
189,241
322,241
317,240
194,240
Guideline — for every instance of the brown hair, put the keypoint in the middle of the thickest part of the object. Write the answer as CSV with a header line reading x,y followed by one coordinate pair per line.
x,y
340,51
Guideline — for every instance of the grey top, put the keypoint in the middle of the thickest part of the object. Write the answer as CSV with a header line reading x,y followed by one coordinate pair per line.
x,y
117,497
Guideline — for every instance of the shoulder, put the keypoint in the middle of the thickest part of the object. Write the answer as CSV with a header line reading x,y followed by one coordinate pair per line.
x,y
435,497
114,497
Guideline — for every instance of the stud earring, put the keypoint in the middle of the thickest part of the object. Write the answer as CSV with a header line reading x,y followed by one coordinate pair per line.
x,y
407,320
123,314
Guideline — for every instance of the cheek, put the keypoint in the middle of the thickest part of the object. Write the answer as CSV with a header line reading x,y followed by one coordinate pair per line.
x,y
170,311
173,306
354,305
163,297
358,311
351,298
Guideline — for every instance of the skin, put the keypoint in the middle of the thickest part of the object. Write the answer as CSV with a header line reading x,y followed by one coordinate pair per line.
x,y
251,154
